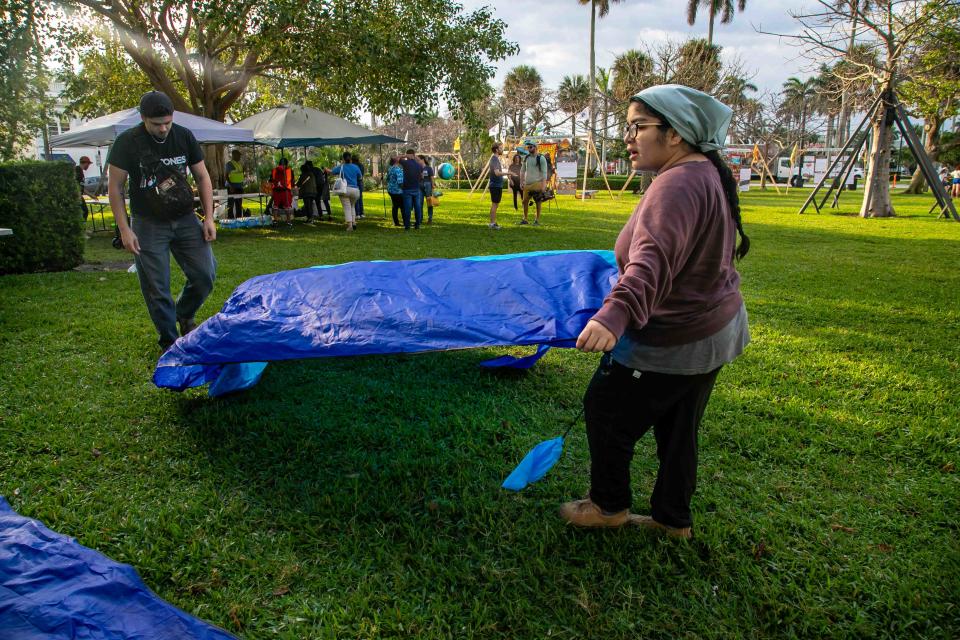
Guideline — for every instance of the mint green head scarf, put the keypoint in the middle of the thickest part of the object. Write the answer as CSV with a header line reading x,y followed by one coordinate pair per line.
x,y
700,119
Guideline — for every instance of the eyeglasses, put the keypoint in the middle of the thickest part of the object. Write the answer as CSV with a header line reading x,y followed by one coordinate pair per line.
x,y
632,129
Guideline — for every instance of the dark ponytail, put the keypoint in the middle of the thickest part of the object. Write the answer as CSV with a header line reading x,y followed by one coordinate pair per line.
x,y
732,190
730,185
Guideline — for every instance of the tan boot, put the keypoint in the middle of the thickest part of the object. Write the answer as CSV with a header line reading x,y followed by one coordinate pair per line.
x,y
647,522
585,513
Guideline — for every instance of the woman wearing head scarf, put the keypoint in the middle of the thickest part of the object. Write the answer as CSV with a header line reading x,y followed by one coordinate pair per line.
x,y
674,317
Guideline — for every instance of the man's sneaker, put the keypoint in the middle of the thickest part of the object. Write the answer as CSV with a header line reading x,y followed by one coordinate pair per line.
x,y
523,222
186,325
536,223
586,513
493,225
647,522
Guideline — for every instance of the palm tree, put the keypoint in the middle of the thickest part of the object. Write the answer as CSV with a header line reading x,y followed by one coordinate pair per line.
x,y
632,71
603,88
573,95
714,7
603,8
733,92
698,65
522,91
797,95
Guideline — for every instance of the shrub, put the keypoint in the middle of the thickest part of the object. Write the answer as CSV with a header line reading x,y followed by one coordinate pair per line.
x,y
40,201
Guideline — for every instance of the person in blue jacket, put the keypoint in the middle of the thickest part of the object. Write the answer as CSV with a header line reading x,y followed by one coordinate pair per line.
x,y
395,188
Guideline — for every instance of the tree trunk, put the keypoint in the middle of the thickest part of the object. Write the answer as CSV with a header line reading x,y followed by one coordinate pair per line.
x,y
713,9
931,145
876,196
843,125
213,157
603,143
593,80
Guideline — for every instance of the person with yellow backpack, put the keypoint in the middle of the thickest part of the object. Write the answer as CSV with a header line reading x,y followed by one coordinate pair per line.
x,y
234,171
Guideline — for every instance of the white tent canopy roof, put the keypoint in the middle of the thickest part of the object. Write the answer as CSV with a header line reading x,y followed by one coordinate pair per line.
x,y
298,126
102,131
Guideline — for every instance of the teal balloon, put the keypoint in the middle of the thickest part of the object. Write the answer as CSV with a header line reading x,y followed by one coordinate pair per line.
x,y
446,171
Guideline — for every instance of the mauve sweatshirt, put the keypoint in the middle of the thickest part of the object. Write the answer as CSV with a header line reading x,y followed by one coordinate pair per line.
x,y
675,256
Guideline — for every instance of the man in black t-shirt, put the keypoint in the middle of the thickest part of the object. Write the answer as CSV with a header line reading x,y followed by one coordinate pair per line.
x,y
150,237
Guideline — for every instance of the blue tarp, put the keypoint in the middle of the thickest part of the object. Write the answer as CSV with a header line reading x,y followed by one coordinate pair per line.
x,y
53,588
363,308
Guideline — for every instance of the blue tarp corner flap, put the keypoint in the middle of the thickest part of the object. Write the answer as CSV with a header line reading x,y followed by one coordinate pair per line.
x,y
381,307
53,588
535,464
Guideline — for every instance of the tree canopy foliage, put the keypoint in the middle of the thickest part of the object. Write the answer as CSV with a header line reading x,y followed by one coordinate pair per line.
x,y
339,55
23,80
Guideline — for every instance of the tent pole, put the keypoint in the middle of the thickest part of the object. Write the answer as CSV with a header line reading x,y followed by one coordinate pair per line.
x,y
383,196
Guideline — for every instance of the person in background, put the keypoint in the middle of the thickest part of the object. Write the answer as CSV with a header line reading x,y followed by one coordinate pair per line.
x,y
496,183
534,180
955,181
78,170
395,188
307,187
281,179
151,239
674,317
515,172
323,192
426,186
351,173
234,185
355,159
412,196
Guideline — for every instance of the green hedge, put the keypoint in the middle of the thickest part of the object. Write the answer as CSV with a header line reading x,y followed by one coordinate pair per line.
x,y
40,201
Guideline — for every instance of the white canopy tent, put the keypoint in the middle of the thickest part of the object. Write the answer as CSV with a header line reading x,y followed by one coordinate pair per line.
x,y
102,131
298,126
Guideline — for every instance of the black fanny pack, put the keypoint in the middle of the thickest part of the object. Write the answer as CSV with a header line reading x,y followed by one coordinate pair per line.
x,y
170,197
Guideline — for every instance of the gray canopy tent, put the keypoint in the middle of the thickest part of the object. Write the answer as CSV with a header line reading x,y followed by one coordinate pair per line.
x,y
298,126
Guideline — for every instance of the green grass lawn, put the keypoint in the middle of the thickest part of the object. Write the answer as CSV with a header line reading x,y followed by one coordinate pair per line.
x,y
359,498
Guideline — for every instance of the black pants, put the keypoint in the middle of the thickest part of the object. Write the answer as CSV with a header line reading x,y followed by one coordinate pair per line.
x,y
234,205
309,202
396,203
620,406
516,191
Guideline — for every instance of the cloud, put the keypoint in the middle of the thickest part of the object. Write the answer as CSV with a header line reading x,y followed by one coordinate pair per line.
x,y
554,36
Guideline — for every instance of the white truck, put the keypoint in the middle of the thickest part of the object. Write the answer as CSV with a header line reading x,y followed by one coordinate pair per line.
x,y
811,167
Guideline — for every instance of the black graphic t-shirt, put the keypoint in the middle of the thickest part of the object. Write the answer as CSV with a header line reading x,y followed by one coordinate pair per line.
x,y
180,149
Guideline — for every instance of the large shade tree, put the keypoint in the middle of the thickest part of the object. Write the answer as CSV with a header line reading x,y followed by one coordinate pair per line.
x,y
205,53
23,79
890,26
932,84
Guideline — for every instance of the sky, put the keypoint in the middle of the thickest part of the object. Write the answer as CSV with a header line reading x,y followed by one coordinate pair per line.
x,y
554,35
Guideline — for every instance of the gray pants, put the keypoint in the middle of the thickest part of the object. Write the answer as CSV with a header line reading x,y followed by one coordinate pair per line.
x,y
184,238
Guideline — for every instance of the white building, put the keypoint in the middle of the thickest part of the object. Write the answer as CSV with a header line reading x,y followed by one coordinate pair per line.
x,y
60,123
